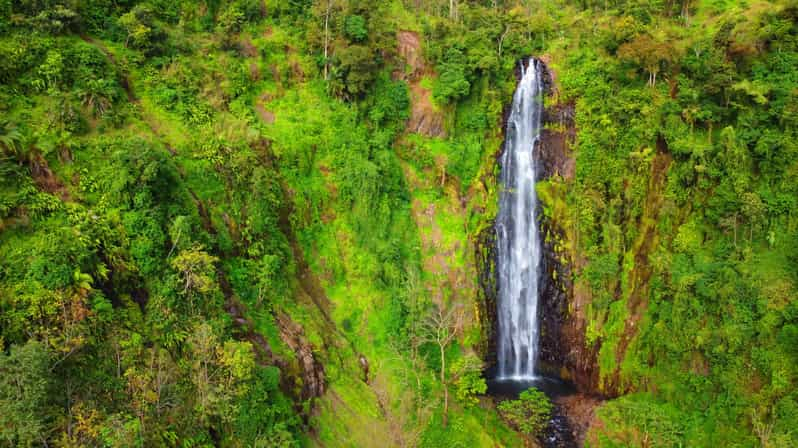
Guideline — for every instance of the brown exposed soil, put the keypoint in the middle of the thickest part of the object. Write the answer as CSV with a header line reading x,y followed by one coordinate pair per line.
x,y
265,115
580,411
247,49
409,48
425,119
45,179
254,72
293,335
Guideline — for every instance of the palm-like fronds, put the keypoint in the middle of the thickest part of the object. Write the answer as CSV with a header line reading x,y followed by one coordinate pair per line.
x,y
98,95
10,137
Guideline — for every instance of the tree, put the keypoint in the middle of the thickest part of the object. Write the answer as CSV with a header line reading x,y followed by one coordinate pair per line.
x,y
98,95
143,31
197,272
220,372
24,384
650,53
530,413
355,28
440,327
147,385
467,378
196,268
56,19
452,84
356,70
754,210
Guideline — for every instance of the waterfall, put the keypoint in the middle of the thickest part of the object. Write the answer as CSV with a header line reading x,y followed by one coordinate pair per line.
x,y
517,232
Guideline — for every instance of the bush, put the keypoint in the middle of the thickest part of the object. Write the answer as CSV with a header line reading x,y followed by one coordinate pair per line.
x,y
355,28
357,69
452,84
528,414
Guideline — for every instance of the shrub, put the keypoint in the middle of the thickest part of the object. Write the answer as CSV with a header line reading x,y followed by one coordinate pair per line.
x,y
452,84
355,28
528,414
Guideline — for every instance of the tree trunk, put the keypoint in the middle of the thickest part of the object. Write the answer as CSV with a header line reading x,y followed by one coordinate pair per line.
x,y
326,40
501,39
445,387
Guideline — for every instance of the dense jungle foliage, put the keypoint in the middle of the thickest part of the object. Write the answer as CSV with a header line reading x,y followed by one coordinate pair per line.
x,y
252,222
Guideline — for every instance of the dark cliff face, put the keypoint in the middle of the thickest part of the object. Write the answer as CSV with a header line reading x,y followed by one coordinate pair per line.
x,y
487,276
563,349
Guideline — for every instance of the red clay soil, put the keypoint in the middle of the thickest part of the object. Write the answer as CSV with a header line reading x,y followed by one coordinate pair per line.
x,y
424,118
247,49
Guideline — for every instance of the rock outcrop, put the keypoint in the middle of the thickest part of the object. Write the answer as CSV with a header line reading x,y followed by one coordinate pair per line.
x,y
312,371
563,348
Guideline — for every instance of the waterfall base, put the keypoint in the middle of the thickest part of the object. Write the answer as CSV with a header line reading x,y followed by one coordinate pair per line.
x,y
559,433
510,388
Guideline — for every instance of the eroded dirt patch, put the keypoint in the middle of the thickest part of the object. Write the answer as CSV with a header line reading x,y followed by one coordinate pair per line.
x,y
580,410
425,118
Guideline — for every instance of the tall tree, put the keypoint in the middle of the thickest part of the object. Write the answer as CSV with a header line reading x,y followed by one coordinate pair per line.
x,y
440,327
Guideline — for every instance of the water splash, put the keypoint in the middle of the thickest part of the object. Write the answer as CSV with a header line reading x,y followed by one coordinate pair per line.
x,y
517,233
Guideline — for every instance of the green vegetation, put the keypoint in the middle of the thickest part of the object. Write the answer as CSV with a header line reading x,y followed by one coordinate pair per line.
x,y
680,216
217,227
530,413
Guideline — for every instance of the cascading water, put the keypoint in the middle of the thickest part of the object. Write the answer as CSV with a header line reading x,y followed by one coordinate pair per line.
x,y
517,233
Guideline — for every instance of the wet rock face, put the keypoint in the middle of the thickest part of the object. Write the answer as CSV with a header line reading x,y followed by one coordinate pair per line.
x,y
556,286
311,369
485,256
563,349
558,433
553,152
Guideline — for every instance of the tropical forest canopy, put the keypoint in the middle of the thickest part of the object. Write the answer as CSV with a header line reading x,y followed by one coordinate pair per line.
x,y
254,223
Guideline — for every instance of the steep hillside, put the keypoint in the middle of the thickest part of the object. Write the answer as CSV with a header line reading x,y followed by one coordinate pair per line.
x,y
270,223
